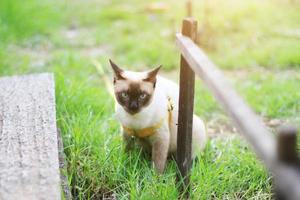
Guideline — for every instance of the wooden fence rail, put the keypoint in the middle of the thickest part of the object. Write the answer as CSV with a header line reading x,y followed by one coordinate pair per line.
x,y
280,156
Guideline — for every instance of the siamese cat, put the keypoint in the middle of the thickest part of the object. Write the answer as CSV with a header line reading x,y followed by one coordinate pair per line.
x,y
147,108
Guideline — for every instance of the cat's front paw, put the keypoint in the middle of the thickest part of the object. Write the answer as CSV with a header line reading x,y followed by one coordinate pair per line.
x,y
159,166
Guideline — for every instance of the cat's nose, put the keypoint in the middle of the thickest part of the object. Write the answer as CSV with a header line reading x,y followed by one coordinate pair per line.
x,y
133,105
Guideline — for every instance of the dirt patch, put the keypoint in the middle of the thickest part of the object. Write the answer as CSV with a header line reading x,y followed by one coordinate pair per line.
x,y
76,36
291,33
37,52
239,74
220,126
85,41
38,56
96,51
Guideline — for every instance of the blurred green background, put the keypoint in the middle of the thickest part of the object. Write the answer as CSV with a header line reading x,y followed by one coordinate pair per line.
x,y
255,42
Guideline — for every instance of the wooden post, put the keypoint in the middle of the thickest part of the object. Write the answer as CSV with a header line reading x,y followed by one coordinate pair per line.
x,y
186,109
287,144
189,8
286,153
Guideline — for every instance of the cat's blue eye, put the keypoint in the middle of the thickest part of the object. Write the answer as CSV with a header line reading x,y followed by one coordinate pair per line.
x,y
143,96
124,94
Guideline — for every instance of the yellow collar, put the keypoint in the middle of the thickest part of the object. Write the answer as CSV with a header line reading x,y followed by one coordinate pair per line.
x,y
149,131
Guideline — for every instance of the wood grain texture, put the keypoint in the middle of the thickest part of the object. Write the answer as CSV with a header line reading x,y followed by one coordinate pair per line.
x,y
29,166
186,108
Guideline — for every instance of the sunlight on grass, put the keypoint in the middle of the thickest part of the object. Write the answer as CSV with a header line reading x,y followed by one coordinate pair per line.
x,y
255,42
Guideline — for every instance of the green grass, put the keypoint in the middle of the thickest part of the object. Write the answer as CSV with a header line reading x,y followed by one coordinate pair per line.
x,y
245,38
19,20
94,149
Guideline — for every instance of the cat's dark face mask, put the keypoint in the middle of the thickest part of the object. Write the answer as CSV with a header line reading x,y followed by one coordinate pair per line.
x,y
133,99
133,95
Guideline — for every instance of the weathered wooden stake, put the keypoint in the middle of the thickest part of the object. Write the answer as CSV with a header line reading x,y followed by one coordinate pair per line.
x,y
186,108
287,153
189,8
287,144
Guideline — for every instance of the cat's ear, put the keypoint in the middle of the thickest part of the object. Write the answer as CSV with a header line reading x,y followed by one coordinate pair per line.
x,y
151,75
117,71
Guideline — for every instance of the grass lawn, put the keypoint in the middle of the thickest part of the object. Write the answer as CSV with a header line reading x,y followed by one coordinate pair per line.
x,y
256,44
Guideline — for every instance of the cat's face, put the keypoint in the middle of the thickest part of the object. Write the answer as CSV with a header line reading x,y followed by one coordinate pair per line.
x,y
133,90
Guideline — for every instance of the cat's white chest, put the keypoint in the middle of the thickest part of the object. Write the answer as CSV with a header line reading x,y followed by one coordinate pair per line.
x,y
137,121
148,116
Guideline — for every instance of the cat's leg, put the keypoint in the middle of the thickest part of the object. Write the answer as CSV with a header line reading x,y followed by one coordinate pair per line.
x,y
128,142
160,147
144,145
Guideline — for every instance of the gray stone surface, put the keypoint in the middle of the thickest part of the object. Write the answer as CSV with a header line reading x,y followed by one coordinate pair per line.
x,y
29,166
